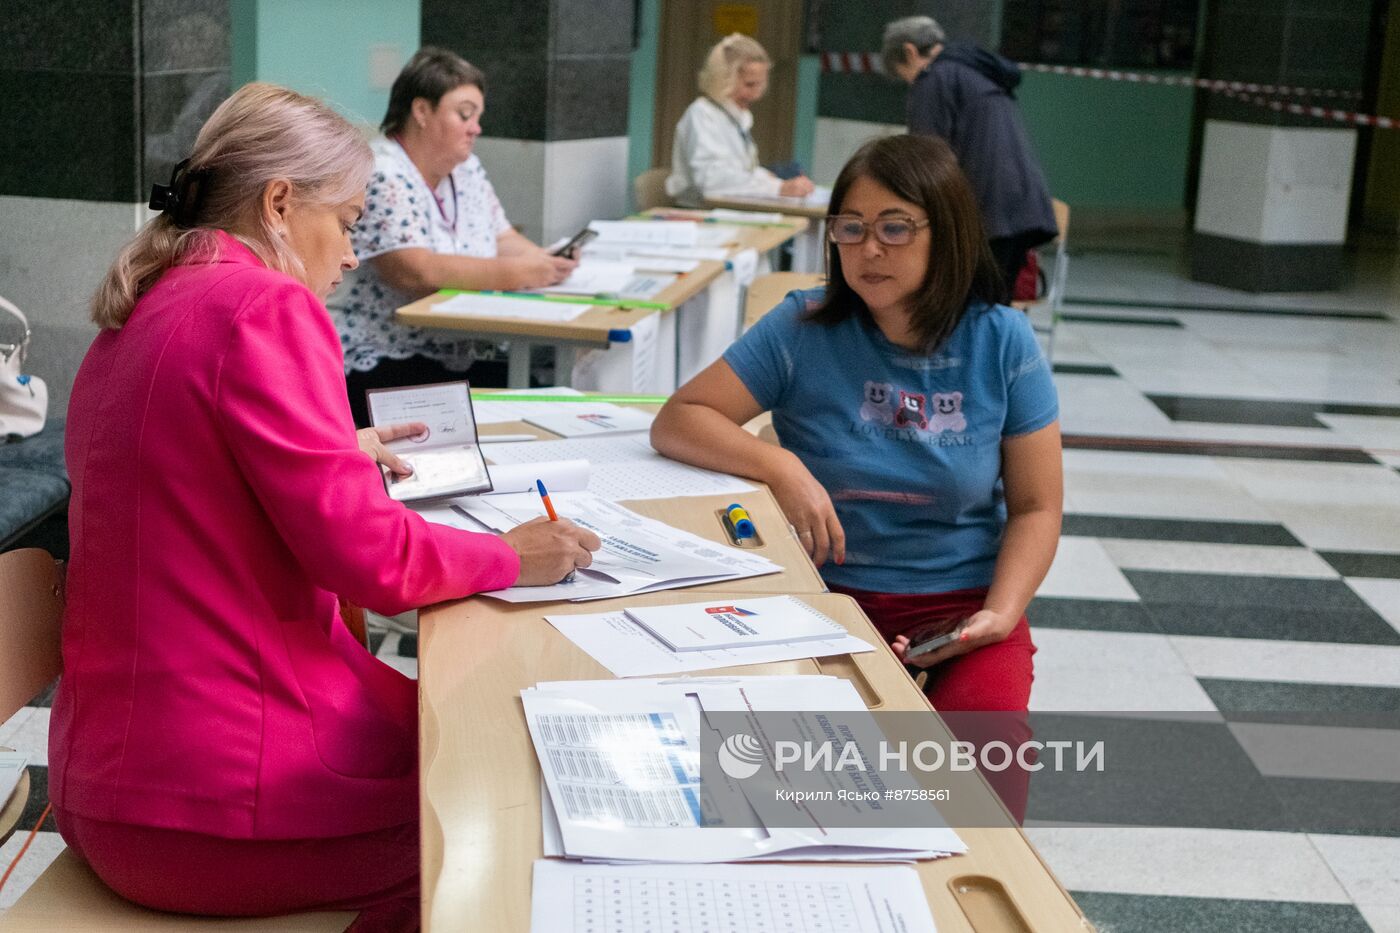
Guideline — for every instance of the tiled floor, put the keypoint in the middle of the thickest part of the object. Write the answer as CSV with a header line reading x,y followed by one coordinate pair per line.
x,y
1231,568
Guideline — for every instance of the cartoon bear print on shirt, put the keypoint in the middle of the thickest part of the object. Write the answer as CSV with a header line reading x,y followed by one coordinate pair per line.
x,y
911,410
947,413
877,406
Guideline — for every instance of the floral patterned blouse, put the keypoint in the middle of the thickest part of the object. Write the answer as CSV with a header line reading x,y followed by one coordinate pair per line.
x,y
400,213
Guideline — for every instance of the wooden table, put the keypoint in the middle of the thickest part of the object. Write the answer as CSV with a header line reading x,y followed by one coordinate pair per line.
x,y
480,787
600,327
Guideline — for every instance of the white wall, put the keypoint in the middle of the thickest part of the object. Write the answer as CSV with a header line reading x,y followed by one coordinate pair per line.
x,y
550,190
836,140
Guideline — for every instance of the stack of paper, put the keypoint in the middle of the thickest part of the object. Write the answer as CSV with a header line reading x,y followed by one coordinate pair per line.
x,y
581,420
599,277
617,641
621,766
573,898
639,554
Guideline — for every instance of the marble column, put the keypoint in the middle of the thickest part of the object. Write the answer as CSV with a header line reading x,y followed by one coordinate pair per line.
x,y
555,129
98,99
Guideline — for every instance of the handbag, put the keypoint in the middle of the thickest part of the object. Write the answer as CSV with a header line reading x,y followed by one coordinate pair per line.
x,y
24,399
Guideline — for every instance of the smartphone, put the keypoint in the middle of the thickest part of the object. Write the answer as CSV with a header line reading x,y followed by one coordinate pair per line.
x,y
570,249
917,649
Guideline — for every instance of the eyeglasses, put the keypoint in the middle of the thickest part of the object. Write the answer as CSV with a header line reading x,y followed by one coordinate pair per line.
x,y
848,230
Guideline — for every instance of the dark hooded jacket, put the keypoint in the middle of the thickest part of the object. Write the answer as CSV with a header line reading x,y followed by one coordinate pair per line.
x,y
965,96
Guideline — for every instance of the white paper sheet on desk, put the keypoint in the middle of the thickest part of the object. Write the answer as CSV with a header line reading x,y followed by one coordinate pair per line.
x,y
638,555
820,197
628,650
646,232
494,412
624,467
577,419
574,898
620,761
747,217
12,765
498,306
595,277
641,254
712,235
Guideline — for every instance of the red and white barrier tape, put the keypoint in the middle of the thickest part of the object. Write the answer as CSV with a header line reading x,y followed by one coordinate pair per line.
x,y
1321,113
1246,91
856,63
1205,84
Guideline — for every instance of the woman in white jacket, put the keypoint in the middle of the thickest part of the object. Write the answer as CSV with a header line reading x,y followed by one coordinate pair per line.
x,y
714,151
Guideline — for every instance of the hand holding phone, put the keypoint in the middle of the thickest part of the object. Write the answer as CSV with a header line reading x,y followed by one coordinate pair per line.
x,y
928,645
571,249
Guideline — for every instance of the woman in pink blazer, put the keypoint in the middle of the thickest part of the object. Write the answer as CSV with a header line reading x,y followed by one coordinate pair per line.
x,y
220,744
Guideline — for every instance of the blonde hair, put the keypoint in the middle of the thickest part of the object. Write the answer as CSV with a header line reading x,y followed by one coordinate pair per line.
x,y
721,69
261,134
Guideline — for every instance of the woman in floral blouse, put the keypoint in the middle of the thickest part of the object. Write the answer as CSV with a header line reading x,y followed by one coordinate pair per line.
x,y
431,221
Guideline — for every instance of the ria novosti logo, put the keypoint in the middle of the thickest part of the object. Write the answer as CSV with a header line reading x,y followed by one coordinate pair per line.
x,y
740,756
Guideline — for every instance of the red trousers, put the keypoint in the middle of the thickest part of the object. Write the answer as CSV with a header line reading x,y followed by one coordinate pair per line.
x,y
375,873
993,678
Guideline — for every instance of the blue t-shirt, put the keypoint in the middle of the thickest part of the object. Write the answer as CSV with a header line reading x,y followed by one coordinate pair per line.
x,y
907,444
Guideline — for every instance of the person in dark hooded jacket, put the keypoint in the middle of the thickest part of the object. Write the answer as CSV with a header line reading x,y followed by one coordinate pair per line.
x,y
965,95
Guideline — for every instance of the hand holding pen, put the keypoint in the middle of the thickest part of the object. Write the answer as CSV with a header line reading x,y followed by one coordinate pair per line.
x,y
550,547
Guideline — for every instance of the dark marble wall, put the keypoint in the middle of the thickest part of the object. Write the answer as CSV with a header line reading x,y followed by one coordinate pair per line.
x,y
1301,43
99,97
555,69
857,27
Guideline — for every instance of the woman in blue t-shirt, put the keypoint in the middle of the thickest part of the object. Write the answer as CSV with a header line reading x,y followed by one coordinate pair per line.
x,y
920,457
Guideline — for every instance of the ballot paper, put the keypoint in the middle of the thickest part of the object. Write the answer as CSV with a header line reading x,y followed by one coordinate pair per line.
x,y
629,650
582,420
638,554
724,623
621,763
569,897
623,467
511,306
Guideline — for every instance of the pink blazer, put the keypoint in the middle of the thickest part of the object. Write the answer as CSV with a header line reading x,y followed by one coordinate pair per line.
x,y
219,506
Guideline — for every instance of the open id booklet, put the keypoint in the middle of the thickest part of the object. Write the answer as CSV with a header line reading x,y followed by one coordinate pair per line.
x,y
446,458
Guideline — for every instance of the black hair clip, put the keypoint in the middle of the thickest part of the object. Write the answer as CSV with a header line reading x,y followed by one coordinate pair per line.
x,y
180,198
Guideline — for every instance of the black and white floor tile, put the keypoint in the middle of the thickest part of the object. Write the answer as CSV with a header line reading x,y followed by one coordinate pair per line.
x,y
1230,567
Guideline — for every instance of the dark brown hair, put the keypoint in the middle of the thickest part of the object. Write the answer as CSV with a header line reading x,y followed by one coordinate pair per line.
x,y
429,74
961,270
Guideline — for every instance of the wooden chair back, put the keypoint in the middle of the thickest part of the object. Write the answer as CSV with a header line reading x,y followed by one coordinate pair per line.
x,y
767,290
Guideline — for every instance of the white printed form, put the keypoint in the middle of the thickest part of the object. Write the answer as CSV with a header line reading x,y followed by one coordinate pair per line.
x,y
575,898
633,770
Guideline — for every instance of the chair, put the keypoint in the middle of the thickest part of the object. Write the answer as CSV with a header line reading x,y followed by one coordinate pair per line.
x,y
67,895
767,290
649,189
1048,307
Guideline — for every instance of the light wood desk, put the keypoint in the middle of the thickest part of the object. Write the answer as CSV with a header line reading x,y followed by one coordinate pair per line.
x,y
600,327
761,238
480,789
807,248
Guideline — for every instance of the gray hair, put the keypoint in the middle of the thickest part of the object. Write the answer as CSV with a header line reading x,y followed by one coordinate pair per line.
x,y
923,32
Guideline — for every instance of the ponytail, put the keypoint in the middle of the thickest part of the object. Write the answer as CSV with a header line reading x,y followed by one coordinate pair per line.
x,y
261,134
